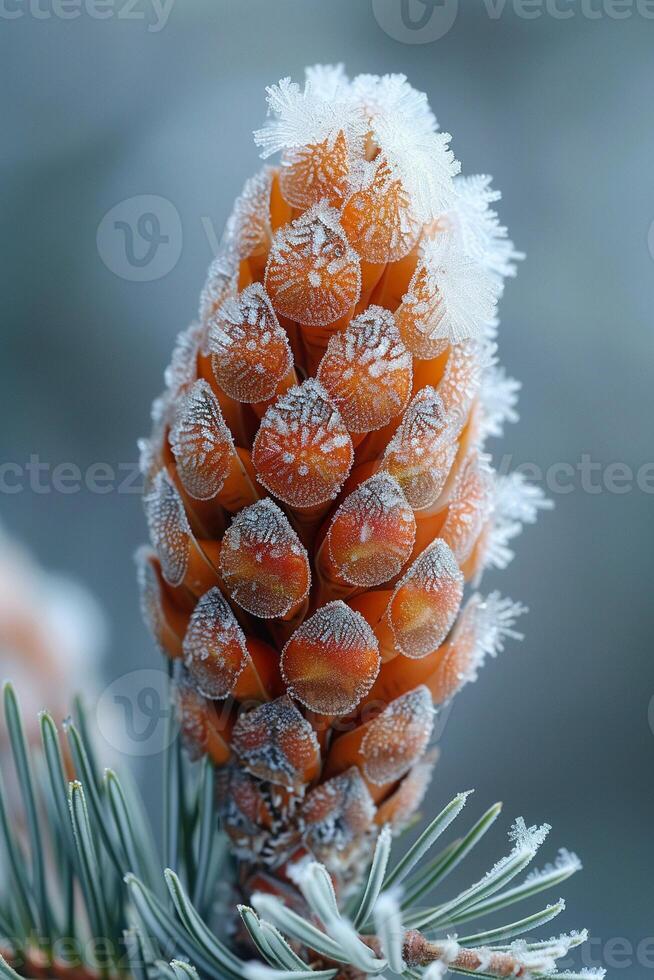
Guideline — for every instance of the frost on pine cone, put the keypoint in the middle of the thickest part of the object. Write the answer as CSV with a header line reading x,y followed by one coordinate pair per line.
x,y
319,498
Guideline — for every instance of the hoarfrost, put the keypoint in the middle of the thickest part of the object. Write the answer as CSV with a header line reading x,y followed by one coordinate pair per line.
x,y
498,396
274,742
150,592
468,293
221,282
311,114
479,228
515,502
247,231
337,812
421,453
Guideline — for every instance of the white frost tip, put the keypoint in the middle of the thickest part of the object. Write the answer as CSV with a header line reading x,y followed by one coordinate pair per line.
x,y
469,295
305,116
479,228
251,352
566,863
214,646
498,396
528,839
201,442
480,631
515,502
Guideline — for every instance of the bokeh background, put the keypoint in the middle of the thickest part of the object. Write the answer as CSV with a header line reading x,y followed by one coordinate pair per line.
x,y
98,111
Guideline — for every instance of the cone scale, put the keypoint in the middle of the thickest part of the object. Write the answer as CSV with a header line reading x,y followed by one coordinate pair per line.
x,y
319,493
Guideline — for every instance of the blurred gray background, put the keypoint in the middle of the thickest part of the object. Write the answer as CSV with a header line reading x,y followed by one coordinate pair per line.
x,y
97,111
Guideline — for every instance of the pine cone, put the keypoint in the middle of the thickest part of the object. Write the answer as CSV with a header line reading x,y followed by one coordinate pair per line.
x,y
317,491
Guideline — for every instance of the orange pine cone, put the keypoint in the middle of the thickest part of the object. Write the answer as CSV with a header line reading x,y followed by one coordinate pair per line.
x,y
318,493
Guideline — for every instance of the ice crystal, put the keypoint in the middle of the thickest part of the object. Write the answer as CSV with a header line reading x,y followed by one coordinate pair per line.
x,y
479,228
482,629
515,502
182,370
421,453
221,282
406,132
462,379
468,293
469,505
247,231
566,863
498,396
311,114
526,839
